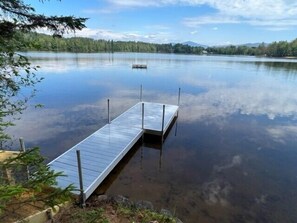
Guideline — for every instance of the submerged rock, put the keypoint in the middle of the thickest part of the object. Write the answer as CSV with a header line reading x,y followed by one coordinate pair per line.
x,y
102,198
121,200
144,205
166,212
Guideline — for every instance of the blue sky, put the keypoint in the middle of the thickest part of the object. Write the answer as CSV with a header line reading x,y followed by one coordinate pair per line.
x,y
209,22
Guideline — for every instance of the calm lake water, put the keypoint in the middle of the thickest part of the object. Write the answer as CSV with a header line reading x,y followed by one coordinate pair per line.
x,y
230,157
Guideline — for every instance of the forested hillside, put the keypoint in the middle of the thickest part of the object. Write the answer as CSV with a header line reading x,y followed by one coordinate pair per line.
x,y
42,42
275,49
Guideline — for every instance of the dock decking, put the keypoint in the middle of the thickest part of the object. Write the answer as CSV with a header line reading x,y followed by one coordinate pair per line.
x,y
103,150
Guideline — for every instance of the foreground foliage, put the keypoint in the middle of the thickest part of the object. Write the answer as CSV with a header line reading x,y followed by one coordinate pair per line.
x,y
26,179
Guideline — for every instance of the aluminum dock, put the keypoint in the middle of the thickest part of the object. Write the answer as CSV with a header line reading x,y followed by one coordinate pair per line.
x,y
89,162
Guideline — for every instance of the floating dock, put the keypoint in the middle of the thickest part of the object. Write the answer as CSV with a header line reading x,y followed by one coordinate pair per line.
x,y
99,153
139,66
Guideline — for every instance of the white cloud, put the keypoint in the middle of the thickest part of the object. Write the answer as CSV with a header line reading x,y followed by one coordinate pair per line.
x,y
272,15
106,34
250,8
245,8
217,19
101,34
158,3
156,37
194,32
136,3
263,13
275,24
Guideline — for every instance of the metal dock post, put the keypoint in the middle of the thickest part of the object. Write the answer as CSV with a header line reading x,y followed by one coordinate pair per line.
x,y
142,118
81,186
141,93
178,99
163,119
108,112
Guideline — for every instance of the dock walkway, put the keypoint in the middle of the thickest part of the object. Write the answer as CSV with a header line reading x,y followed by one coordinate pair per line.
x,y
103,150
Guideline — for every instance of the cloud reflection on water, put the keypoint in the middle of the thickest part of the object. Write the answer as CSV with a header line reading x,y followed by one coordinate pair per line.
x,y
280,133
224,93
36,125
271,98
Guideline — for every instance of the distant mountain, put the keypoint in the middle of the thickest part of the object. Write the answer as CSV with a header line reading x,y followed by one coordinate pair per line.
x,y
191,43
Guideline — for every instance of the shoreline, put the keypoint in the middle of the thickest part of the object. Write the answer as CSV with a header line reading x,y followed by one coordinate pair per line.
x,y
115,208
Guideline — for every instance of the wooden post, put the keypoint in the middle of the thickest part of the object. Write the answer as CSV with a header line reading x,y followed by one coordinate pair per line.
x,y
141,92
22,145
108,112
81,186
142,116
163,118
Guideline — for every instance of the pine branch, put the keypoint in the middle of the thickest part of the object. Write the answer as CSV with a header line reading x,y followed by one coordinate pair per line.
x,y
25,19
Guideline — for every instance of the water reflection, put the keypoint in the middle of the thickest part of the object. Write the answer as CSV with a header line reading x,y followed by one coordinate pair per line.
x,y
234,157
287,69
282,133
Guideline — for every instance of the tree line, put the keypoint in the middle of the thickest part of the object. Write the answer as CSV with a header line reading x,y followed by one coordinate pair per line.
x,y
275,49
41,42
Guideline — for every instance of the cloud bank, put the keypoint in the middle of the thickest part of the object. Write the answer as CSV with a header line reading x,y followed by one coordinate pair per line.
x,y
270,15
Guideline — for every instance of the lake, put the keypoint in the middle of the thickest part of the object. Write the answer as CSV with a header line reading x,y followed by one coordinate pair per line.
x,y
230,157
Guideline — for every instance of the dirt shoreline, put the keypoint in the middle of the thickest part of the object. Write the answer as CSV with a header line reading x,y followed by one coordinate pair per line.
x,y
116,209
